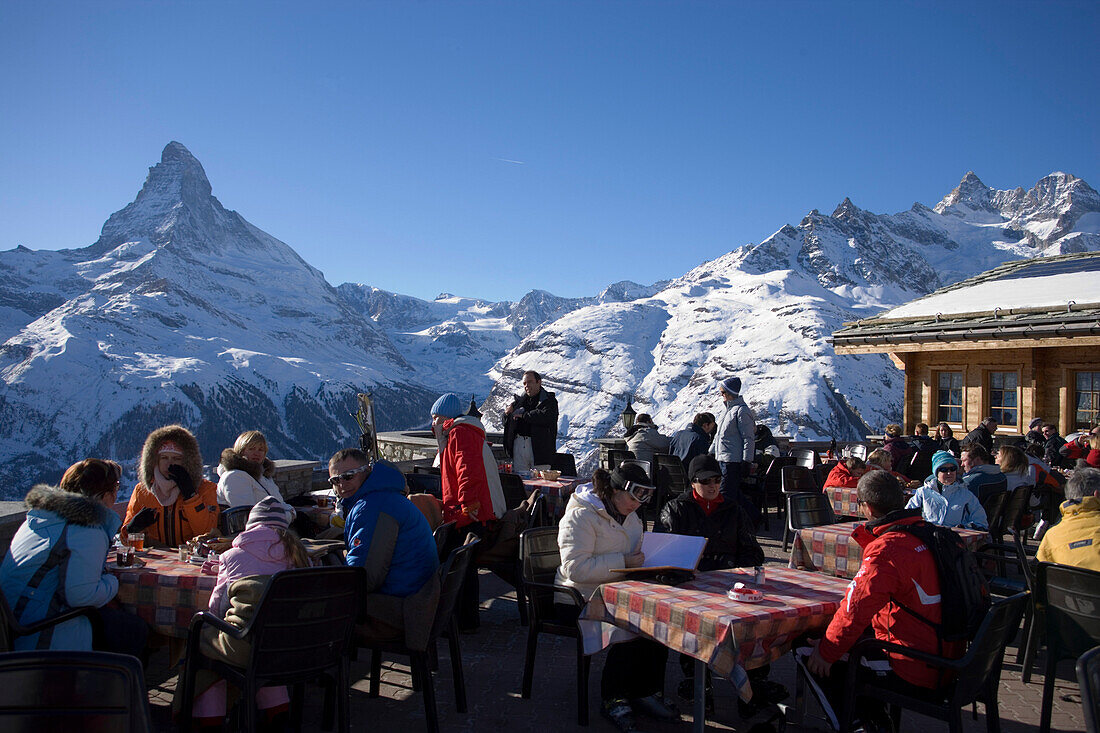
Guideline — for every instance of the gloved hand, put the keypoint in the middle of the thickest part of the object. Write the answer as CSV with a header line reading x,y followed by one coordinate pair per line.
x,y
183,480
142,520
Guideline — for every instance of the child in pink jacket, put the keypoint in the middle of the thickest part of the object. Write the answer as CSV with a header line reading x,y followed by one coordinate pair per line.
x,y
264,548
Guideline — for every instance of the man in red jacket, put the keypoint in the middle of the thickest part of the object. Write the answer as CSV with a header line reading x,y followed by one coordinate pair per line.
x,y
896,573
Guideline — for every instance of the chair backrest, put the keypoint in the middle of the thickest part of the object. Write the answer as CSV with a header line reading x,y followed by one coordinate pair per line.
x,y
564,462
798,478
69,690
1088,676
8,625
1017,507
995,513
432,470
232,521
982,661
919,466
425,483
857,451
443,534
451,574
1070,598
539,557
677,477
304,620
616,456
806,457
810,509
537,516
514,490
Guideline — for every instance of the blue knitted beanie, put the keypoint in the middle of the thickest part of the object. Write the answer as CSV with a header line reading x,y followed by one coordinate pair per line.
x,y
448,406
941,457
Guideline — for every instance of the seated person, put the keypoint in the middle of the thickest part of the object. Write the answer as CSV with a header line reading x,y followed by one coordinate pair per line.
x,y
55,563
643,439
181,504
694,440
601,531
944,498
981,475
898,447
846,473
765,442
921,440
1074,450
894,573
879,459
245,472
390,538
1076,539
731,543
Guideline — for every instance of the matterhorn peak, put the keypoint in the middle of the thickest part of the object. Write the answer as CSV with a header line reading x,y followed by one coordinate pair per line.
x,y
178,171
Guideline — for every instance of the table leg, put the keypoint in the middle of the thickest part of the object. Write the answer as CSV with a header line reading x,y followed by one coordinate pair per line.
x,y
699,713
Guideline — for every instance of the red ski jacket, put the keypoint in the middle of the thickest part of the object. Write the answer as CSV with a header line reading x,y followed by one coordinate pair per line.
x,y
896,568
466,497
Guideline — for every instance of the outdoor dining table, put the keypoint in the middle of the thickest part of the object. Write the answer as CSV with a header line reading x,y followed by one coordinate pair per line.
x,y
845,501
556,492
831,549
165,593
697,618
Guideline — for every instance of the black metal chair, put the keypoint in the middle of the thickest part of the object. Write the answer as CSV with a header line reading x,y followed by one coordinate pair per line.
x,y
301,631
615,457
808,509
795,480
1067,598
515,492
232,521
11,629
444,536
564,462
422,662
69,690
769,487
540,558
425,483
919,466
976,675
857,450
431,470
1088,677
805,457
677,477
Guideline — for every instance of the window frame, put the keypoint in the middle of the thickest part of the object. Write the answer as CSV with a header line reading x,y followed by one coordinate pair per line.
x,y
1073,411
990,408
936,404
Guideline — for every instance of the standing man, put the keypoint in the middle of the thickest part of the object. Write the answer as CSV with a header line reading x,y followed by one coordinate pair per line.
x,y
734,444
1052,444
694,440
982,435
531,425
389,537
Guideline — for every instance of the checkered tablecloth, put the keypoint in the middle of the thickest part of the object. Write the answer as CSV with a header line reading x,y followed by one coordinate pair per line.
x,y
166,593
831,549
699,620
845,501
557,493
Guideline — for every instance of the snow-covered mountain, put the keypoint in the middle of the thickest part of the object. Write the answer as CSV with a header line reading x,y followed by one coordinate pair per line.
x,y
764,312
182,311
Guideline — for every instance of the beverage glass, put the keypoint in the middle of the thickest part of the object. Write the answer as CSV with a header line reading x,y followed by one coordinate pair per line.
x,y
137,541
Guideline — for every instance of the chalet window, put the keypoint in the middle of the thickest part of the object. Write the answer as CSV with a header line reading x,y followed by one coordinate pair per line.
x,y
949,397
1087,400
1003,404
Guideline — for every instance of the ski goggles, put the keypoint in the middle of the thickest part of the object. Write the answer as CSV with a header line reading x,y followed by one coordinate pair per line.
x,y
347,475
640,492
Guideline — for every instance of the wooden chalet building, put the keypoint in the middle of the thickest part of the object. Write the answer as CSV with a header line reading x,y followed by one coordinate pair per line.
x,y
1016,342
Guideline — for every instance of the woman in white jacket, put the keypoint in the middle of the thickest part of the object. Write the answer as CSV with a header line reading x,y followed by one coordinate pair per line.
x,y
245,472
599,533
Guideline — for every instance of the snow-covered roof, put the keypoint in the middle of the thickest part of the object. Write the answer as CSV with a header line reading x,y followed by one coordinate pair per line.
x,y
1049,297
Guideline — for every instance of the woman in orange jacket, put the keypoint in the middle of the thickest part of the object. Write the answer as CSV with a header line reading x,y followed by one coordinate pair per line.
x,y
178,503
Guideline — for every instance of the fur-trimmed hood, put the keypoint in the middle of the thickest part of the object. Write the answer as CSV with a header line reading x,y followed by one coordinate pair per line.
x,y
71,507
181,436
234,461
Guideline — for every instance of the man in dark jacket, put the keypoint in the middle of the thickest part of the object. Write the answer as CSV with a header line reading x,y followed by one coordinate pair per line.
x,y
694,439
1053,445
704,512
982,435
533,415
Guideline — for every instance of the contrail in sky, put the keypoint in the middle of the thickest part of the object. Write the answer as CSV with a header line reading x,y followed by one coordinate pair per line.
x,y
508,160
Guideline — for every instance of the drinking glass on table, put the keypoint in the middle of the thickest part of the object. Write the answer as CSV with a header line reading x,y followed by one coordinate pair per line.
x,y
136,540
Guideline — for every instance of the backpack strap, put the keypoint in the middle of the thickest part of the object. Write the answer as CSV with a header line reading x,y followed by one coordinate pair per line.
x,y
58,558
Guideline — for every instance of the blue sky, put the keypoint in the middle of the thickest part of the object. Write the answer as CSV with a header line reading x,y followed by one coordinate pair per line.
x,y
487,148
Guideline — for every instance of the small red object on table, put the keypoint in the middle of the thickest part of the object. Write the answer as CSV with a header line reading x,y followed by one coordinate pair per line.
x,y
831,549
165,592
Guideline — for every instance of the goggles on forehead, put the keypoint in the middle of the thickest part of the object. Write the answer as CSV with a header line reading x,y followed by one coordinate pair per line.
x,y
641,492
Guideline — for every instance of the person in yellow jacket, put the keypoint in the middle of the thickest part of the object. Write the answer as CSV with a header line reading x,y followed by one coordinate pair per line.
x,y
178,503
1076,539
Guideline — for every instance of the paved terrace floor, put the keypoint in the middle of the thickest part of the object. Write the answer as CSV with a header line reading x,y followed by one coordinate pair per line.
x,y
493,663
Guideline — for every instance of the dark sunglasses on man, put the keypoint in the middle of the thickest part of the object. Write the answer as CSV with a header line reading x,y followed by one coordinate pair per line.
x,y
347,475
640,492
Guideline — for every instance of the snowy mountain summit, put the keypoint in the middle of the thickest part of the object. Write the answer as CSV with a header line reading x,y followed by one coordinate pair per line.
x,y
764,312
184,312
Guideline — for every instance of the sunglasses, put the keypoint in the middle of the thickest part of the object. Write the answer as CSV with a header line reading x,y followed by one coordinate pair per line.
x,y
640,492
949,469
347,475
713,481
